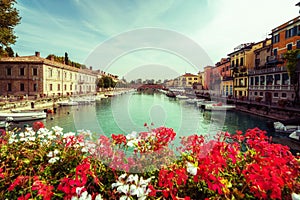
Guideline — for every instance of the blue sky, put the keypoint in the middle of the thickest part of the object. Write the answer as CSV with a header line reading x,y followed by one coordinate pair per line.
x,y
171,36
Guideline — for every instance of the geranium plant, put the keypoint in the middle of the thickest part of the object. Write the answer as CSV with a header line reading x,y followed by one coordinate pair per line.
x,y
50,164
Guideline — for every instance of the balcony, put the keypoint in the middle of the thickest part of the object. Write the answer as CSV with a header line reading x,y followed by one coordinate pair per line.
x,y
267,70
240,86
271,87
227,78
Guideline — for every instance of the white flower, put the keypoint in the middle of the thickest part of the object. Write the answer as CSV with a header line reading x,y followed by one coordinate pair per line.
x,y
98,197
31,138
56,151
191,168
145,182
123,189
50,154
295,196
133,178
23,139
84,196
53,160
78,190
122,177
132,135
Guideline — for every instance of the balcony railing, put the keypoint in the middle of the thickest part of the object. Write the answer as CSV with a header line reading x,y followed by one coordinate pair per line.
x,y
270,87
267,70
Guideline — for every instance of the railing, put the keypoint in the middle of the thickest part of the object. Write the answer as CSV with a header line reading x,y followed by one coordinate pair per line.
x,y
270,87
267,70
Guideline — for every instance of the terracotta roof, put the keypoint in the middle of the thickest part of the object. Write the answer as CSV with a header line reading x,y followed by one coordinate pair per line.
x,y
188,74
40,60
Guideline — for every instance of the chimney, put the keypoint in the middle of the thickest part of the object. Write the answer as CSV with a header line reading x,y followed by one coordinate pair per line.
x,y
91,68
52,57
37,54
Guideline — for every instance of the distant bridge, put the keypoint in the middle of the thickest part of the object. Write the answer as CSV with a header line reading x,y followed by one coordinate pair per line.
x,y
150,87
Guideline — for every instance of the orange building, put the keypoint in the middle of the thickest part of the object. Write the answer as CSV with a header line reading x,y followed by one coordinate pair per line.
x,y
286,37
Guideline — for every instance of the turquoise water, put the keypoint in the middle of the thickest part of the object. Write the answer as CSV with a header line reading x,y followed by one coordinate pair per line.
x,y
128,112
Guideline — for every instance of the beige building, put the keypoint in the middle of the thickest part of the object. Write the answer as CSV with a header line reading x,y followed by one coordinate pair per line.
x,y
37,76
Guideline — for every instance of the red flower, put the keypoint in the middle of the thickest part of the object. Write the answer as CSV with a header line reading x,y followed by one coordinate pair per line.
x,y
44,190
37,125
26,197
119,139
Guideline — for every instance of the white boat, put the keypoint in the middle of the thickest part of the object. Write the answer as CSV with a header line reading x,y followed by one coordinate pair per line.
x,y
4,124
204,104
26,116
99,97
295,135
193,101
181,96
84,100
219,107
67,103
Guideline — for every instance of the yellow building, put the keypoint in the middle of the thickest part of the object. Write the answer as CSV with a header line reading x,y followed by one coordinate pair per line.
x,y
241,60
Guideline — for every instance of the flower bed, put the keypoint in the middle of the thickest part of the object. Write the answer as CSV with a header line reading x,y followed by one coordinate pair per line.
x,y
50,164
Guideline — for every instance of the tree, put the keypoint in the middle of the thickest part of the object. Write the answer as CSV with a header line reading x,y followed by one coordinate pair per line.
x,y
292,62
107,82
9,51
100,83
9,18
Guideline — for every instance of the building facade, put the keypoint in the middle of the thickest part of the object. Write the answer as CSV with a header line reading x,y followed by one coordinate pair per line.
x,y
37,76
226,79
241,60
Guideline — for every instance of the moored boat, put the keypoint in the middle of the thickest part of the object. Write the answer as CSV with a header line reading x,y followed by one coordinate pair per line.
x,y
25,116
219,107
171,94
67,103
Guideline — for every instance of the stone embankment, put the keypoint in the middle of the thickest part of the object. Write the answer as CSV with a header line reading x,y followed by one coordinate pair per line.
x,y
269,111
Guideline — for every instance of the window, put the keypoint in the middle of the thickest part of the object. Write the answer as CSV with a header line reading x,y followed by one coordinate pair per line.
x,y
256,80
58,87
22,71
50,72
34,71
236,62
195,79
298,44
251,80
65,87
262,80
242,61
277,79
241,82
8,71
58,73
50,87
22,87
285,79
255,93
190,78
269,79
276,94
35,87
71,87
289,46
261,94
276,38
9,87
283,94
275,52
232,63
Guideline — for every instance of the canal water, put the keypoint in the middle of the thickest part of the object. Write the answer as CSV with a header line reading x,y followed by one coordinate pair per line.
x,y
129,112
